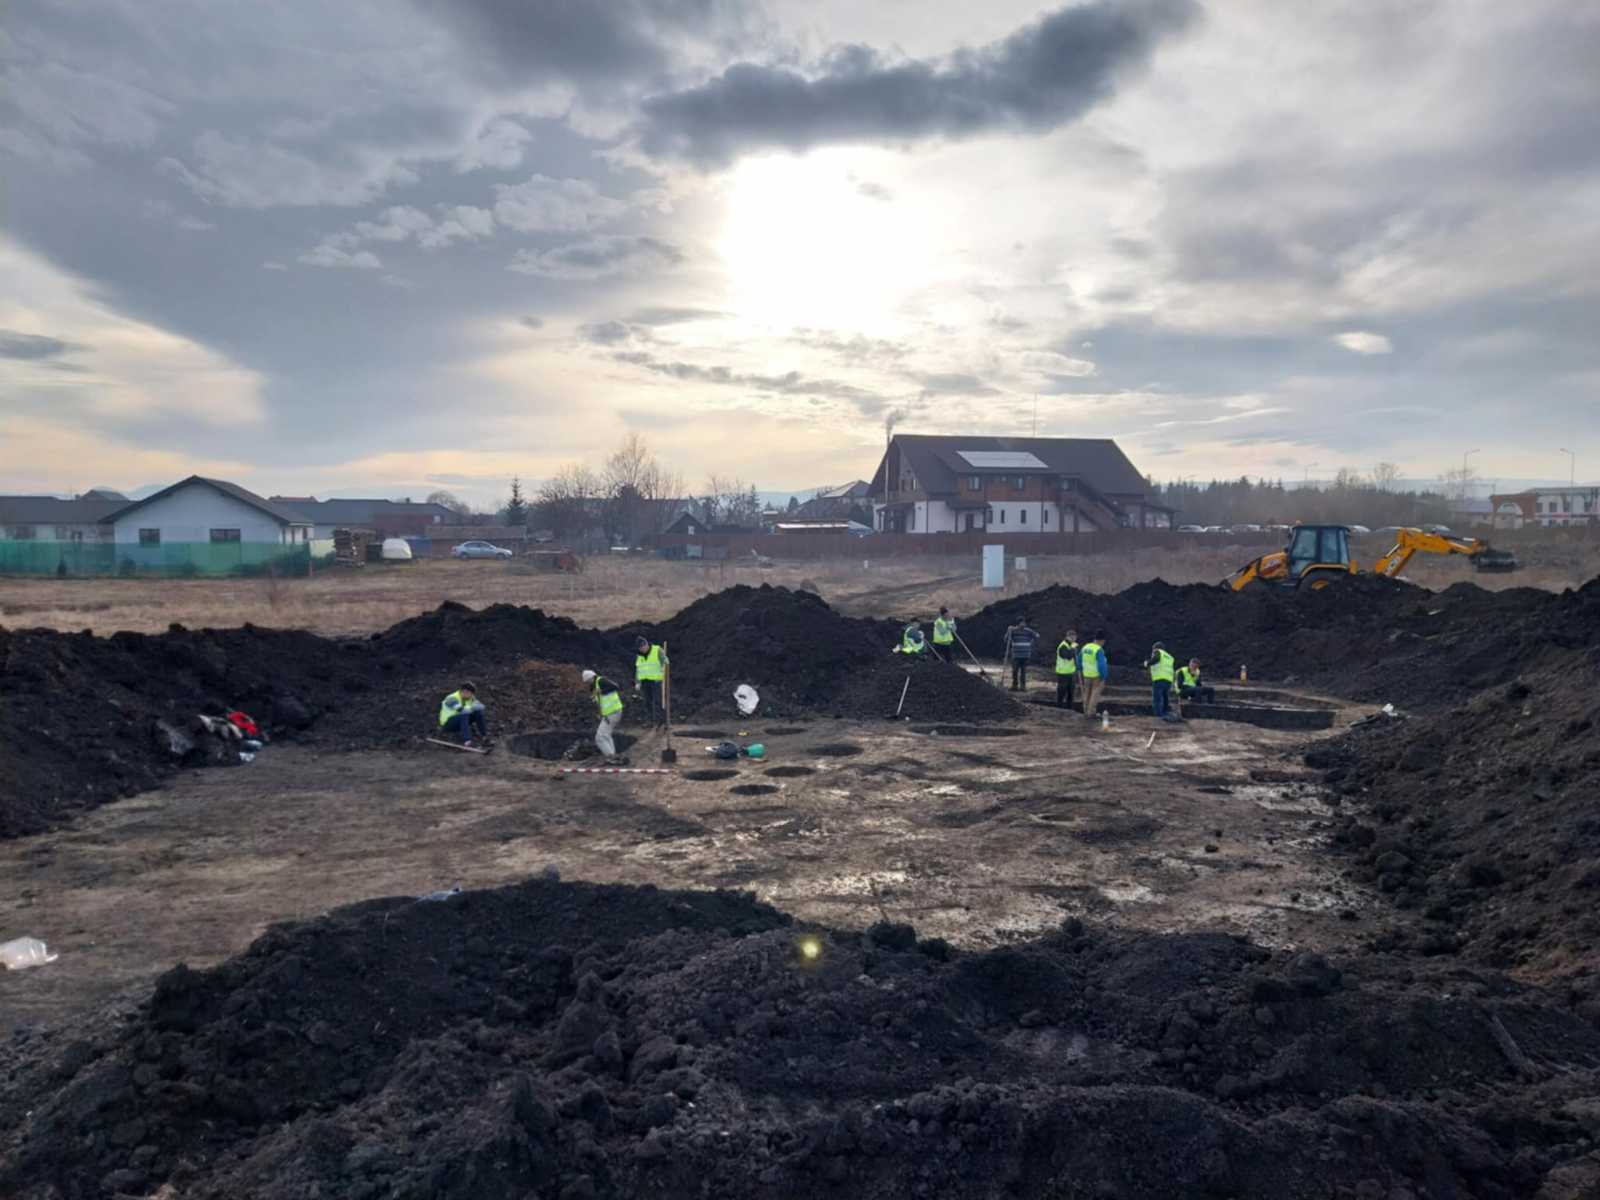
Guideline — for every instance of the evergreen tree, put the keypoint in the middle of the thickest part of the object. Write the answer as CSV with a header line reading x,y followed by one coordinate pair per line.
x,y
516,511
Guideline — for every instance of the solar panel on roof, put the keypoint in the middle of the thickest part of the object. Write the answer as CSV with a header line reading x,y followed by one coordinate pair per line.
x,y
1002,459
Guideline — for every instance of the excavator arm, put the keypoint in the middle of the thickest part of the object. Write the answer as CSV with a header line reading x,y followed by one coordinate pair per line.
x,y
1271,568
1409,541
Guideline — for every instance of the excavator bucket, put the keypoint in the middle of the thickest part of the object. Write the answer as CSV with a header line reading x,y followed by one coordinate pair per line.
x,y
1495,560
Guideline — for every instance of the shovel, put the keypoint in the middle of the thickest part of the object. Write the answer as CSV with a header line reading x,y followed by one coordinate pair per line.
x,y
668,755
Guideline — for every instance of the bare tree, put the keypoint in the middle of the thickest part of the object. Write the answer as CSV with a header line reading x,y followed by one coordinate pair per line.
x,y
568,500
1458,483
451,501
636,487
1384,476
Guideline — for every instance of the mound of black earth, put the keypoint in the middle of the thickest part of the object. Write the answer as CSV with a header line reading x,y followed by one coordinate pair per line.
x,y
554,1041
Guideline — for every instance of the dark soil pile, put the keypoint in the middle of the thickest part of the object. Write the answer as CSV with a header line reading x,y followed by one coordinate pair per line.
x,y
1485,818
85,719
804,658
552,1040
1366,638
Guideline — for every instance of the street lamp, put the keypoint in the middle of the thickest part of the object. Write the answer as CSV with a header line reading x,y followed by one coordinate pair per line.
x,y
1572,467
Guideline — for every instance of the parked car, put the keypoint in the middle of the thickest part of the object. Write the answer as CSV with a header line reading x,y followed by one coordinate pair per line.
x,y
1246,529
1215,529
479,550
1358,529
1191,528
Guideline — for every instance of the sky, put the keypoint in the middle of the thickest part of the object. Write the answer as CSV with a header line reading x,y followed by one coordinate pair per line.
x,y
395,246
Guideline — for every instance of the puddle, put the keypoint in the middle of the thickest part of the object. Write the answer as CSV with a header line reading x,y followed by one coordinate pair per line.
x,y
968,730
753,789
836,750
789,772
710,774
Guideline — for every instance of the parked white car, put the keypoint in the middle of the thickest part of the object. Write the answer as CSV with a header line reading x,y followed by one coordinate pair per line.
x,y
479,550
1191,528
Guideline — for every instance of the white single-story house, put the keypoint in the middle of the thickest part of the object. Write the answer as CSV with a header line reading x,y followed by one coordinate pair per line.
x,y
200,510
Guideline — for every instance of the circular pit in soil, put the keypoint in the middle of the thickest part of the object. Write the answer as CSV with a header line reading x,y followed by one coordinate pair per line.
x,y
753,789
554,744
836,750
709,774
783,729
789,772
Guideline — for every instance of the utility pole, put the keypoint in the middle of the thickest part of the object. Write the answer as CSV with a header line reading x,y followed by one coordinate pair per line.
x,y
1464,455
1572,467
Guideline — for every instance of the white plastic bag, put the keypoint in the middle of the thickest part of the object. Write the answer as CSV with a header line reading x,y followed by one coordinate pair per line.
x,y
25,952
747,698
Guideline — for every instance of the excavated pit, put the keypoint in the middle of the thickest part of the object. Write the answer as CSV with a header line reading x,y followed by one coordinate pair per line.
x,y
968,731
835,750
710,774
564,744
754,789
789,772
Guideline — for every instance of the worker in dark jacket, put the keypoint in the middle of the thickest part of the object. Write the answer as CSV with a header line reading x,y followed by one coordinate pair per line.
x,y
1190,687
1066,668
1019,649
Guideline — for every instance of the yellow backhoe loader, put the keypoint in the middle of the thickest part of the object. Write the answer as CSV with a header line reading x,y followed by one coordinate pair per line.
x,y
1318,555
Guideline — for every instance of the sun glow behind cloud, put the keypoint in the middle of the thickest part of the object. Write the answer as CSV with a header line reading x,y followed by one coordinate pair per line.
x,y
806,243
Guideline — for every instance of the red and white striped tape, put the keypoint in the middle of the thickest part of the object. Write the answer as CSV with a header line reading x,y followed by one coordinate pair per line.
x,y
617,771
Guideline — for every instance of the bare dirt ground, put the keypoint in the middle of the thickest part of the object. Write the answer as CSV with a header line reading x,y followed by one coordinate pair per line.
x,y
977,839
612,590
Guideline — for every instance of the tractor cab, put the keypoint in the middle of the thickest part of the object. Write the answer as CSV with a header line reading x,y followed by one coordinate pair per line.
x,y
1317,553
1316,556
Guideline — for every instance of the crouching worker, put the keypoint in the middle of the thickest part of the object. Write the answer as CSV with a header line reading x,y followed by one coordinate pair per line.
x,y
1190,687
608,699
462,714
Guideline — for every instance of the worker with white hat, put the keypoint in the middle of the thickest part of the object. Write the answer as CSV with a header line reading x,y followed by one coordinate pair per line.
x,y
608,699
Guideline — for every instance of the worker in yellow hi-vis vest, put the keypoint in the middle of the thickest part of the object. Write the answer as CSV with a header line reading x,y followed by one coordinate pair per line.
x,y
608,699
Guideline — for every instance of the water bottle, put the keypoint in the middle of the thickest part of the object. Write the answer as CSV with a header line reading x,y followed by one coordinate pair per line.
x,y
1244,674
25,952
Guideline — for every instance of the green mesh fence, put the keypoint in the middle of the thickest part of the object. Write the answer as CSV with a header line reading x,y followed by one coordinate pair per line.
x,y
172,560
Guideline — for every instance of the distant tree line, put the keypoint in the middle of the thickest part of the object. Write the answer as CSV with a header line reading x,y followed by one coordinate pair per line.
x,y
1352,498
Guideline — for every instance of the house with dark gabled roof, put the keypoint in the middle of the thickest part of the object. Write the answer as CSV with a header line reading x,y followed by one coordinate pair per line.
x,y
389,517
958,484
214,511
52,519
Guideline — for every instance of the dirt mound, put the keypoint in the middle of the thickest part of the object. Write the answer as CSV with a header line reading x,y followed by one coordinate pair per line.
x,y
552,1040
804,658
86,719
1366,637
1482,818
103,712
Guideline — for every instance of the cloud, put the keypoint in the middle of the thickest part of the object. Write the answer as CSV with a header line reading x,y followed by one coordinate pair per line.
x,y
241,172
582,42
499,145
531,322
1048,362
597,258
667,315
31,347
1038,78
330,256
605,333
955,384
1360,342
790,383
545,205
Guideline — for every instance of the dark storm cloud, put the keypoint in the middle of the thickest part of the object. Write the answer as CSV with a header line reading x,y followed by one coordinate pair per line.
x,y
581,41
32,346
1042,76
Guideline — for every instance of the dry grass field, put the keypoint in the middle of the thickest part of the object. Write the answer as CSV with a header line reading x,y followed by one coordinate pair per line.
x,y
611,591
